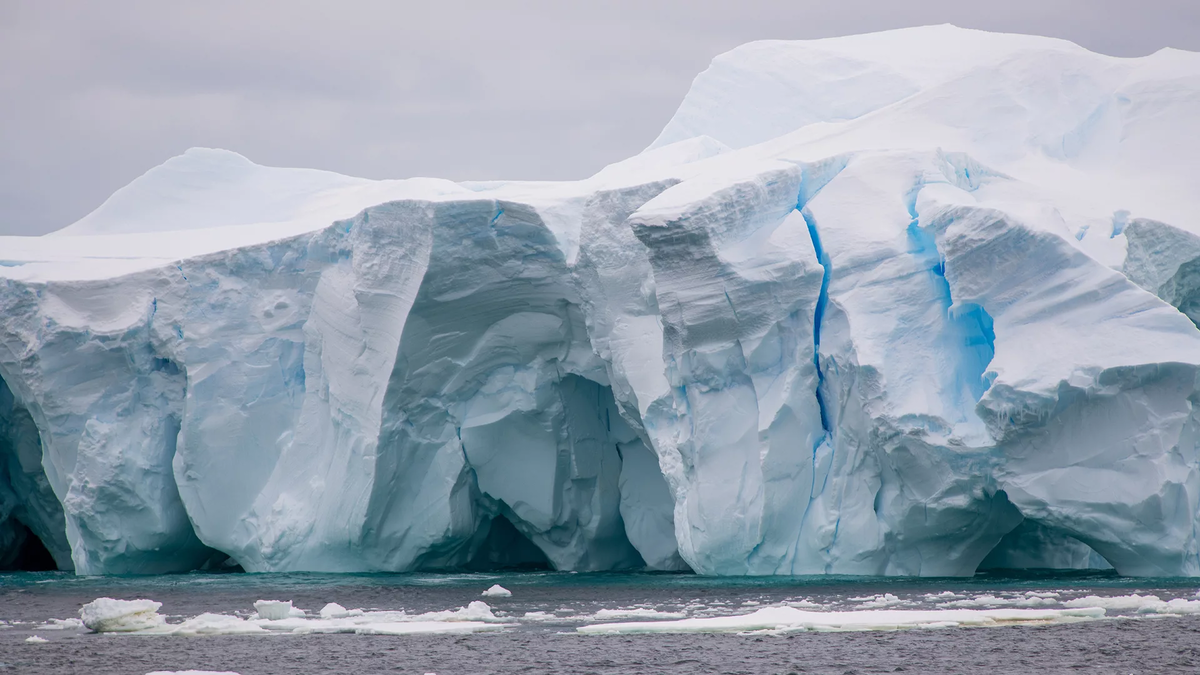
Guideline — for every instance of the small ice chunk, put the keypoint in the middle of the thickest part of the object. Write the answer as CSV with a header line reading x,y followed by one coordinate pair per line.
x,y
106,615
33,639
333,611
497,591
273,610
476,610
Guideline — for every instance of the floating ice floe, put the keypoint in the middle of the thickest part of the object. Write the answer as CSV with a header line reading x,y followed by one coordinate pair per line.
x,y
497,591
142,619
276,609
33,639
636,613
786,619
1139,604
880,601
106,615
989,600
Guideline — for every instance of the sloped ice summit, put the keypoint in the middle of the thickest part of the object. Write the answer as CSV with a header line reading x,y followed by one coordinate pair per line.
x,y
898,303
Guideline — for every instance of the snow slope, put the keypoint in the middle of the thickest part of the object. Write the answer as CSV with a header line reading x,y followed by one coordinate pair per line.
x,y
882,304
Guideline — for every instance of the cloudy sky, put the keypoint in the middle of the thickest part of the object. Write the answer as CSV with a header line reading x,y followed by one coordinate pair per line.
x,y
93,94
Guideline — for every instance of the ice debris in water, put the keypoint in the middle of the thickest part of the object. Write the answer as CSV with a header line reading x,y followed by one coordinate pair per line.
x,y
61,624
107,615
791,619
497,591
33,639
1139,604
275,609
879,601
989,600
475,617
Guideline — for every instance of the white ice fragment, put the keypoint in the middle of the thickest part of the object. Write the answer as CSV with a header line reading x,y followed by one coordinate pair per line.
x,y
880,601
336,611
33,639
497,591
106,615
273,610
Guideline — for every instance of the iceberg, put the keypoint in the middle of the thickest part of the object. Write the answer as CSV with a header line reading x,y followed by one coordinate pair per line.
x,y
906,303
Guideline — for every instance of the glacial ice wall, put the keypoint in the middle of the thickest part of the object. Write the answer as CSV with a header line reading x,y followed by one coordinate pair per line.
x,y
860,309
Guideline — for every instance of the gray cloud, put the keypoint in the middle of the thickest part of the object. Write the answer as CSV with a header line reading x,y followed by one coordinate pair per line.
x,y
93,94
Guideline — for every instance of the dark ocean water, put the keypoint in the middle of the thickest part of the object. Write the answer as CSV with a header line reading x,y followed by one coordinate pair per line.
x,y
557,603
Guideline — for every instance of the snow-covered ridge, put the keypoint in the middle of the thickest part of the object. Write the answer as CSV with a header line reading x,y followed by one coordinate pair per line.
x,y
904,303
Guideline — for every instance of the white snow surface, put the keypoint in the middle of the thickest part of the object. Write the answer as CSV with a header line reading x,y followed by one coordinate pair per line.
x,y
880,304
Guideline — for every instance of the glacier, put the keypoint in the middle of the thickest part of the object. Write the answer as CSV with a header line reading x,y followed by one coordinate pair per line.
x,y
918,302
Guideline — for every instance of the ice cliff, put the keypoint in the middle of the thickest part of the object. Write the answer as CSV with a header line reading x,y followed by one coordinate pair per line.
x,y
906,303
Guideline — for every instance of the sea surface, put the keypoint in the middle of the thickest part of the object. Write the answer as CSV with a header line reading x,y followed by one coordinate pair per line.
x,y
1149,626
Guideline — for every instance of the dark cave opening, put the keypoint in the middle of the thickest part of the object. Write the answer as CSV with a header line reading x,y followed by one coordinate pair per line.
x,y
1032,546
506,549
33,556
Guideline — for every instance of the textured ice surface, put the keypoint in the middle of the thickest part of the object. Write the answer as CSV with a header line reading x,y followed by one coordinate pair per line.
x,y
274,609
860,309
106,615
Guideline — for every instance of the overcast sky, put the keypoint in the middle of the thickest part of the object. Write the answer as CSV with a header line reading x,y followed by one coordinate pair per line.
x,y
92,94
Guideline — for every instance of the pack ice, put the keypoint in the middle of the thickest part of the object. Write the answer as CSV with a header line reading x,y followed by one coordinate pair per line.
x,y
908,303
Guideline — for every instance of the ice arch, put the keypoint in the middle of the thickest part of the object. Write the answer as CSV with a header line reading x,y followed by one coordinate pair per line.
x,y
1032,545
